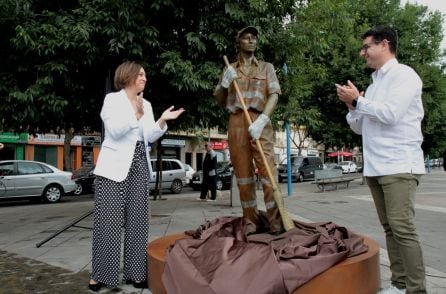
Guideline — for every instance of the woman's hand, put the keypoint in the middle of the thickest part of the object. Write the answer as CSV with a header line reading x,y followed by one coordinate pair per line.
x,y
139,106
170,114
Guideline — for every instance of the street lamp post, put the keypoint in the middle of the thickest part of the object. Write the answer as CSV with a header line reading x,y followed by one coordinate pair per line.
x,y
288,146
288,156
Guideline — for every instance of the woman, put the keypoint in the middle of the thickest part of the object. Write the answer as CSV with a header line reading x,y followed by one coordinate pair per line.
x,y
123,169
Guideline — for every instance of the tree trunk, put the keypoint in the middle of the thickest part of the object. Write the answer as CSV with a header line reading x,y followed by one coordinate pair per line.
x,y
69,135
159,172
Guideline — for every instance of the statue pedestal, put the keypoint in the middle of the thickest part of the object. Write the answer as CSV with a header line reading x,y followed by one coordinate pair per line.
x,y
358,274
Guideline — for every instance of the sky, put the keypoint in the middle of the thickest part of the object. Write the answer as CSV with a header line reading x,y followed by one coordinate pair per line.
x,y
439,5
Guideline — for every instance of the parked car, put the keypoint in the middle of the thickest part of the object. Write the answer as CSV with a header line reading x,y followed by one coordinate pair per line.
x,y
189,173
348,167
34,180
332,165
173,175
85,179
224,177
302,168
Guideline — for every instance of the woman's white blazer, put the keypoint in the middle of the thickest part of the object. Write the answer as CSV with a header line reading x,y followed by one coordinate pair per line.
x,y
121,134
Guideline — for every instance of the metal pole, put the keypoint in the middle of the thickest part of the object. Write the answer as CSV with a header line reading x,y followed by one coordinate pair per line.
x,y
72,224
428,163
288,156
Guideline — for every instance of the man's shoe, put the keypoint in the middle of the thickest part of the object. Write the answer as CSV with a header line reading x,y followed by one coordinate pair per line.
x,y
392,290
211,200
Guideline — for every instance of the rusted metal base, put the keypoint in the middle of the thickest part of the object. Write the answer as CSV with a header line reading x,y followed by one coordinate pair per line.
x,y
358,274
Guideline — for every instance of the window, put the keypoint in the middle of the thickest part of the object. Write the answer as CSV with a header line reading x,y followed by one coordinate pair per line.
x,y
47,154
175,165
29,168
189,158
165,165
7,169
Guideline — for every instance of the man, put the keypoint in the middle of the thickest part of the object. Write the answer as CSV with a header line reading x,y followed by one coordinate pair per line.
x,y
209,174
389,118
260,88
444,160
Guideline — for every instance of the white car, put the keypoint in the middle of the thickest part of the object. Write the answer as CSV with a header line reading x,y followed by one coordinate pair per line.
x,y
189,173
32,179
173,175
349,167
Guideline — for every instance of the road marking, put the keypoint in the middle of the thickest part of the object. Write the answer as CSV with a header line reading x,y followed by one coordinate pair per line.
x,y
417,206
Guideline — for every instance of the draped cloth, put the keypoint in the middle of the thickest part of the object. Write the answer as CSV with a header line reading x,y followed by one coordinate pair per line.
x,y
226,255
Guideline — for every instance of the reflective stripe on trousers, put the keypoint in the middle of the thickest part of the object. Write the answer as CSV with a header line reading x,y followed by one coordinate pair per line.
x,y
244,153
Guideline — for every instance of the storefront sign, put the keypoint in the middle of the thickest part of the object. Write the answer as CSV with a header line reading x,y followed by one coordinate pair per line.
x,y
54,139
219,145
173,142
10,137
91,140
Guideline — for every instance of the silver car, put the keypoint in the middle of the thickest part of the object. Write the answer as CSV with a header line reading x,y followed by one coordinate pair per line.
x,y
24,178
173,175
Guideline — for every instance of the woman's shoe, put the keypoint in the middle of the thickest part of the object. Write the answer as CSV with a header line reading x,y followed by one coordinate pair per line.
x,y
95,287
139,285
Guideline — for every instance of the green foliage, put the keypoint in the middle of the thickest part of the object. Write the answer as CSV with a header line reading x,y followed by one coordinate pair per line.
x,y
58,58
321,47
61,55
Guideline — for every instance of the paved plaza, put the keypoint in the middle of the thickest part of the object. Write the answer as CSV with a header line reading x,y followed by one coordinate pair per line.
x,y
23,225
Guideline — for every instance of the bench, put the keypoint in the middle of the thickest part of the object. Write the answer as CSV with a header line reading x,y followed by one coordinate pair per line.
x,y
331,178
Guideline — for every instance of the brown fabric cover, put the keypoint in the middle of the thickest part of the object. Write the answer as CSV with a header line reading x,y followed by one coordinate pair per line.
x,y
225,256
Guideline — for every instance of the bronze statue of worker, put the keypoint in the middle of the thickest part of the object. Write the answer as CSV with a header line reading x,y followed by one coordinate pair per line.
x,y
260,88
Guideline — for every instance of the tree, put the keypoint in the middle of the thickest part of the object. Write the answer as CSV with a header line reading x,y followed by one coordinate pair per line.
x,y
59,57
62,54
322,43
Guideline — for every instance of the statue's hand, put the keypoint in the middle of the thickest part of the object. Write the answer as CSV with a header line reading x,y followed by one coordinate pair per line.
x,y
255,130
228,76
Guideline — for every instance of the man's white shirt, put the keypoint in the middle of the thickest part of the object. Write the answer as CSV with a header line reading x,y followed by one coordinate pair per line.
x,y
389,118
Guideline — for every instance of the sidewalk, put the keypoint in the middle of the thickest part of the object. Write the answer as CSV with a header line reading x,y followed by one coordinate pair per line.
x,y
23,225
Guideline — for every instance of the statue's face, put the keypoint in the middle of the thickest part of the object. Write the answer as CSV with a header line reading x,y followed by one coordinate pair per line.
x,y
248,42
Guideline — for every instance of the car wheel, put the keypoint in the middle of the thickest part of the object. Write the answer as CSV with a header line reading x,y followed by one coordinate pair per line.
x,y
177,186
219,184
78,190
300,178
52,194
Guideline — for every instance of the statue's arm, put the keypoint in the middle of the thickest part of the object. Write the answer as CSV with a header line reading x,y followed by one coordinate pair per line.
x,y
221,94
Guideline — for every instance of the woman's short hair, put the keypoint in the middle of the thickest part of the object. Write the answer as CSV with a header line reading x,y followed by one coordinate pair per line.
x,y
126,73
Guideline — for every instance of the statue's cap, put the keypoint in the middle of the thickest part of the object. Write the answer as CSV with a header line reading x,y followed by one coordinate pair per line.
x,y
249,29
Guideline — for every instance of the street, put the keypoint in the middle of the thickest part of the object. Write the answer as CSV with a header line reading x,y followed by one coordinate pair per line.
x,y
24,224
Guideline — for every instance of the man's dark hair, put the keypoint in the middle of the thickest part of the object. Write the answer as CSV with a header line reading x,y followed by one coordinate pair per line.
x,y
380,33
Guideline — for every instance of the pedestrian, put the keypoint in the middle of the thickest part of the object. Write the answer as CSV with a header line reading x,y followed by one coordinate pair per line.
x,y
123,172
444,160
389,118
260,87
209,174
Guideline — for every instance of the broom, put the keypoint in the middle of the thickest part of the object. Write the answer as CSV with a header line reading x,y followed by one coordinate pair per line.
x,y
277,195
